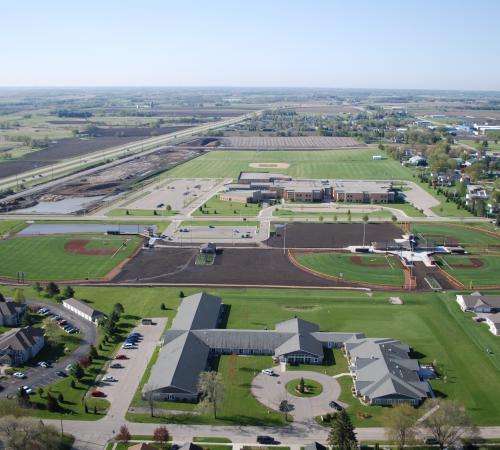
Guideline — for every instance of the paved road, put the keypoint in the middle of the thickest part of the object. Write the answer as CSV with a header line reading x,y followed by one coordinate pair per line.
x,y
120,393
38,376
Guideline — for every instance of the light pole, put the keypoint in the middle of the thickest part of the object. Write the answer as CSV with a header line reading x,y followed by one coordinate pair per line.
x,y
364,232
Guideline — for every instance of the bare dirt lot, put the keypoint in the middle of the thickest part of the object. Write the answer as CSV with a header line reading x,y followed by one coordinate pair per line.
x,y
341,235
301,142
234,266
74,147
257,165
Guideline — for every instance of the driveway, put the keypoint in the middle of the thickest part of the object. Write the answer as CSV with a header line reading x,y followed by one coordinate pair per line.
x,y
38,376
271,390
120,393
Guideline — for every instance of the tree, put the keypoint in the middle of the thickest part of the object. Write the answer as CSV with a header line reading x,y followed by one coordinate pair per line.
x,y
52,403
60,397
52,289
93,352
21,433
123,435
163,307
394,218
26,320
19,296
23,399
400,422
342,434
77,371
181,294
118,308
37,287
85,361
211,387
302,386
366,218
448,423
161,435
68,292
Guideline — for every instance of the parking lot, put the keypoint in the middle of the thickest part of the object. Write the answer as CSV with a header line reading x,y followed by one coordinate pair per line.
x,y
215,233
120,392
178,193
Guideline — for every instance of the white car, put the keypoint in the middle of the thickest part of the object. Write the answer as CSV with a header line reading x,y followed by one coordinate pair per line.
x,y
110,378
28,390
128,346
269,372
19,374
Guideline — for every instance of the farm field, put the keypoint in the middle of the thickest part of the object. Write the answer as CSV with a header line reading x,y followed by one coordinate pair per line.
x,y
464,234
472,271
376,269
216,206
64,258
431,323
347,164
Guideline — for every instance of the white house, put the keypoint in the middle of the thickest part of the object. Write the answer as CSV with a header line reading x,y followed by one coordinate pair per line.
x,y
479,303
82,309
493,321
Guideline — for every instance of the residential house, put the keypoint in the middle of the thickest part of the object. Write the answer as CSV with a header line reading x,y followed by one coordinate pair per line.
x,y
11,313
20,344
479,303
493,321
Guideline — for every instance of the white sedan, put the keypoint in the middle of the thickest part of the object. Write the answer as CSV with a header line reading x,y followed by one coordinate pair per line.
x,y
19,374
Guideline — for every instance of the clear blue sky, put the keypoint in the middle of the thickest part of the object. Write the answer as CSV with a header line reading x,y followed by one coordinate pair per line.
x,y
442,44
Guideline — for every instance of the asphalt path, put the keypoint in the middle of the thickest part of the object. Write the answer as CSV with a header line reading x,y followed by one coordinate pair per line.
x,y
38,376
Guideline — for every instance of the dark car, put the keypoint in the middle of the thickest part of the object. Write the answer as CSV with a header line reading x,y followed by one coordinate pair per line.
x,y
121,357
336,406
98,394
61,374
116,366
266,440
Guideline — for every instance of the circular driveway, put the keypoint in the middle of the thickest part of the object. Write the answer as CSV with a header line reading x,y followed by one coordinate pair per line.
x,y
271,391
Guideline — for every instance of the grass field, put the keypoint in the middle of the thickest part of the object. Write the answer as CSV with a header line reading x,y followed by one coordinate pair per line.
x,y
11,226
431,323
471,277
491,144
348,164
465,234
390,273
217,207
122,212
45,258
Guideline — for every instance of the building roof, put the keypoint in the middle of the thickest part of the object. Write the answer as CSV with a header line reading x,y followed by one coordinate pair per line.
x,y
198,311
20,339
494,319
373,187
8,309
476,301
315,446
384,368
190,446
85,308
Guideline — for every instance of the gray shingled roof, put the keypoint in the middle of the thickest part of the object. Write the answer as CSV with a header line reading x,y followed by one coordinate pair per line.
x,y
198,311
8,309
474,301
384,368
20,338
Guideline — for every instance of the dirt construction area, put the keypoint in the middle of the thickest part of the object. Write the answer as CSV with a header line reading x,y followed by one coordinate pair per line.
x,y
299,142
177,193
342,235
257,165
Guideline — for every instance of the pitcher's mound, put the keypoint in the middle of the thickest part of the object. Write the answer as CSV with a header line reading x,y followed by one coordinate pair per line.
x,y
256,165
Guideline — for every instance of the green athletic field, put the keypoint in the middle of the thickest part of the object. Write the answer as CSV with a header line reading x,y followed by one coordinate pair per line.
x,y
431,323
468,234
217,207
487,275
349,164
340,265
45,258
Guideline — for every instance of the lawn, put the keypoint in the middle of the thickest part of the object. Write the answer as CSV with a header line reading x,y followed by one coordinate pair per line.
x,y
11,226
330,216
347,164
216,206
124,212
45,258
465,234
311,388
376,269
472,277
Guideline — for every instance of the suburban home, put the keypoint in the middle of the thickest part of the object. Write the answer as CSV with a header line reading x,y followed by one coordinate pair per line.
x,y
11,313
493,321
20,344
384,373
479,303
194,337
82,309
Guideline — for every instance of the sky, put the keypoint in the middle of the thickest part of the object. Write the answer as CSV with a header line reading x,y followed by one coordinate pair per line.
x,y
406,44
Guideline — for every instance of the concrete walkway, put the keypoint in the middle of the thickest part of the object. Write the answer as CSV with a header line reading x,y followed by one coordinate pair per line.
x,y
271,391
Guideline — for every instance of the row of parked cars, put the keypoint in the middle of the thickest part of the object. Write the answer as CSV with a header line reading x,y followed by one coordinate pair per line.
x,y
63,323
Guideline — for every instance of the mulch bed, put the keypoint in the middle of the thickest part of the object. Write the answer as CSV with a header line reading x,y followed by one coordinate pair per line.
x,y
358,261
79,246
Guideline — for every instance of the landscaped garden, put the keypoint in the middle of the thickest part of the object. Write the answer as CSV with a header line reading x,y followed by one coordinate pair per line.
x,y
304,387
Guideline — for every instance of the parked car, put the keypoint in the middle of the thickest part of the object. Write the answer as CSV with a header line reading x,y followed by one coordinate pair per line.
x,y
336,406
61,374
68,367
128,346
20,375
266,440
269,372
211,226
98,394
27,389
44,364
121,357
110,378
116,366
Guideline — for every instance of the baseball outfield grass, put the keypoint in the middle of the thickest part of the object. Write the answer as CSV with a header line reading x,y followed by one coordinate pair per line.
x,y
473,271
376,269
45,257
465,234
348,164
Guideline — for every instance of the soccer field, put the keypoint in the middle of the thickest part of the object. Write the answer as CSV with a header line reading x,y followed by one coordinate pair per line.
x,y
347,164
376,269
63,257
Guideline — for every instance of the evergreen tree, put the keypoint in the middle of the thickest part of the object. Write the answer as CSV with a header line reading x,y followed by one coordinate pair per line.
x,y
68,292
342,434
52,403
52,289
